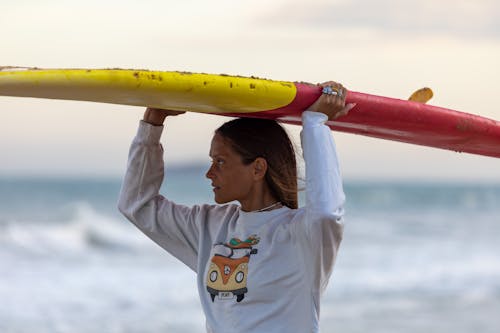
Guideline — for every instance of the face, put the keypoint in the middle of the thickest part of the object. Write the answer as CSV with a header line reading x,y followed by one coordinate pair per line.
x,y
231,179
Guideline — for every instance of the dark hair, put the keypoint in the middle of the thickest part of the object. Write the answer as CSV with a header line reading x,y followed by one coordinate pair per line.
x,y
252,138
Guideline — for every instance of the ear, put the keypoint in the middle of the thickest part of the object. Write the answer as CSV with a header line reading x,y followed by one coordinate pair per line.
x,y
260,168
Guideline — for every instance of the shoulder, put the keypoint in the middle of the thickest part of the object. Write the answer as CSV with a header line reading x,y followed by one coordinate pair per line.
x,y
217,211
291,215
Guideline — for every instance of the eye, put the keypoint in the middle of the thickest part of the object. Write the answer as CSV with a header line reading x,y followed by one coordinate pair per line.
x,y
218,162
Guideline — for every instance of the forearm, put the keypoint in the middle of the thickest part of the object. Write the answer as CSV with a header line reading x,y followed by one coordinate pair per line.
x,y
144,173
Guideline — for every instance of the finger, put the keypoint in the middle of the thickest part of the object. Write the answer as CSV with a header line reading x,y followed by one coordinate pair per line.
x,y
327,83
339,104
340,89
330,99
344,111
347,108
340,114
166,111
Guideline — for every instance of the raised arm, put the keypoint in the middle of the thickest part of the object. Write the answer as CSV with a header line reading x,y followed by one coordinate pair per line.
x,y
325,197
170,225
324,193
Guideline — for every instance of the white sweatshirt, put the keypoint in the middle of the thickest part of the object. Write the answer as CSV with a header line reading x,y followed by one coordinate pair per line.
x,y
256,271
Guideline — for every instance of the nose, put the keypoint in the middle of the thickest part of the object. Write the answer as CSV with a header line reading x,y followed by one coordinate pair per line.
x,y
209,174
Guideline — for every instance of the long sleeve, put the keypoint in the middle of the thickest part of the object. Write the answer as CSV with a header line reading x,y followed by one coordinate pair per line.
x,y
171,226
324,192
325,197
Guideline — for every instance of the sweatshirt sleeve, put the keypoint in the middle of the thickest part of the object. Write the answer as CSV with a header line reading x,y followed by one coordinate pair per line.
x,y
325,197
171,226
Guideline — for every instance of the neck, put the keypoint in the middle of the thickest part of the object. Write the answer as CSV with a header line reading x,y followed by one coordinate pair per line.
x,y
273,206
259,201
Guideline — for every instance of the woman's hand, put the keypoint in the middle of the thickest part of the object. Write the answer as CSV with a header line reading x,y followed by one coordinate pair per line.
x,y
157,116
332,101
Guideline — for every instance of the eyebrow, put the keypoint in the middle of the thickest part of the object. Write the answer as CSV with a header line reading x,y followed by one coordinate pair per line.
x,y
216,155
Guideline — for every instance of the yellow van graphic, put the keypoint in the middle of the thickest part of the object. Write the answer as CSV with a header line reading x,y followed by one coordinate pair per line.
x,y
227,274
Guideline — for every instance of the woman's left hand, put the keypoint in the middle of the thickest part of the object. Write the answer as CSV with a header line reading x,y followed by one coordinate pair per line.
x,y
332,102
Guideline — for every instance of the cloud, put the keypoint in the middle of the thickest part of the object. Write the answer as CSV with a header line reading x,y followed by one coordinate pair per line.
x,y
459,18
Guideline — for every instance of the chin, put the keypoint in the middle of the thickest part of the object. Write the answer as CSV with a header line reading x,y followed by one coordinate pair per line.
x,y
221,201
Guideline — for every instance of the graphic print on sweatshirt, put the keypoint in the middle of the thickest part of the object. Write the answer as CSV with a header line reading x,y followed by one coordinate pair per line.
x,y
227,274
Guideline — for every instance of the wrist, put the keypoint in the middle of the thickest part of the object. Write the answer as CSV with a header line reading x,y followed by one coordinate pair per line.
x,y
154,122
311,118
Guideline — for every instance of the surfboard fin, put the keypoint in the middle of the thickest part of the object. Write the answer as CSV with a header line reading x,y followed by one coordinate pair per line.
x,y
421,95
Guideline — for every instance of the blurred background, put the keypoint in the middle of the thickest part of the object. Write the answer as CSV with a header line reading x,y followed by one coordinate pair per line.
x,y
421,243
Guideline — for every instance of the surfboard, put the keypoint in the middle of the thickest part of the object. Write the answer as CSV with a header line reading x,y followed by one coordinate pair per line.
x,y
409,121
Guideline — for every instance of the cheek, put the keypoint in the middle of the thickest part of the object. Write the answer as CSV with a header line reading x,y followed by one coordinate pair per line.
x,y
236,182
242,181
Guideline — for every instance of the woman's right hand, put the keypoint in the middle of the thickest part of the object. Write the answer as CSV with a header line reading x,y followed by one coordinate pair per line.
x,y
156,117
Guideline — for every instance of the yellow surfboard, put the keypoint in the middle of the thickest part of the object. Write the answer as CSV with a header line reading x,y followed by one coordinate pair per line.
x,y
207,93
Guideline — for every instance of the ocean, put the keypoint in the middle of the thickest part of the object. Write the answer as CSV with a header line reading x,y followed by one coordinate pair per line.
x,y
416,257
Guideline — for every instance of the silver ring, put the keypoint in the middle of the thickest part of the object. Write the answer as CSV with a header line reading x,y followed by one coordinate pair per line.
x,y
329,91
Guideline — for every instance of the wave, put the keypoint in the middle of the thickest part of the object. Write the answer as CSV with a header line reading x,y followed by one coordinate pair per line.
x,y
84,230
377,256
474,274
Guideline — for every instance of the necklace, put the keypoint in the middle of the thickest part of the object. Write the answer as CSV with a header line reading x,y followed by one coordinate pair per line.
x,y
265,209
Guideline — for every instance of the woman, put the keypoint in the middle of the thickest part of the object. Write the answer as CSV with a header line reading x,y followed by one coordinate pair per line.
x,y
261,265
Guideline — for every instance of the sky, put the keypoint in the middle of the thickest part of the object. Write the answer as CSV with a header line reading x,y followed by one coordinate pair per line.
x,y
388,48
